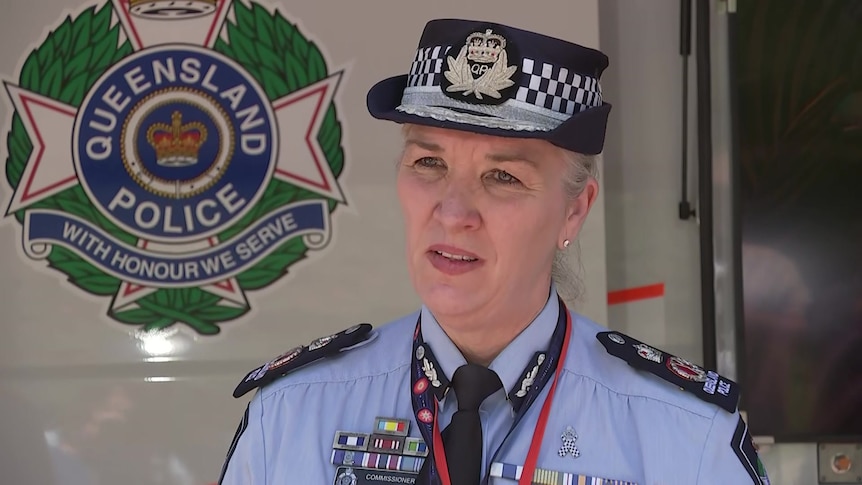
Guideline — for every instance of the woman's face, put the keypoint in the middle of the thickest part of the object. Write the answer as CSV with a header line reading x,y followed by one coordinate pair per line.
x,y
484,216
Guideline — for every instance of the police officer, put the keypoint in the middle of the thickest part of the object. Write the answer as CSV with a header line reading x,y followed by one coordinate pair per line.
x,y
493,380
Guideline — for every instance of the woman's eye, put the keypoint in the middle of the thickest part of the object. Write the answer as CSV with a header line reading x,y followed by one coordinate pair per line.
x,y
428,162
504,177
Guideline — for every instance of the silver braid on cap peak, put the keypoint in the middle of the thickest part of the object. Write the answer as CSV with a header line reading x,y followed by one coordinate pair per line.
x,y
545,98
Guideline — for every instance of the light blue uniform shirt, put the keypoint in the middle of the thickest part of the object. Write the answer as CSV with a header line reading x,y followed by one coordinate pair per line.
x,y
631,425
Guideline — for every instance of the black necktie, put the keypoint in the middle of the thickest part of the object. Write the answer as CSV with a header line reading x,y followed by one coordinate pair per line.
x,y
462,439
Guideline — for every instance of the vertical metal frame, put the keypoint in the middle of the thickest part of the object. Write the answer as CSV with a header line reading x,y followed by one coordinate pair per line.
x,y
726,235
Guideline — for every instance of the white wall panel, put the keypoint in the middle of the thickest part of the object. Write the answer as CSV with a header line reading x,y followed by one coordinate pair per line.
x,y
87,395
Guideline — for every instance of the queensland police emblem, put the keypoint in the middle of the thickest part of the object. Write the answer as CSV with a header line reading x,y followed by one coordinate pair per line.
x,y
172,156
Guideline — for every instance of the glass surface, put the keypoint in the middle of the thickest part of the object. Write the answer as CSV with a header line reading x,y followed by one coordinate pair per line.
x,y
798,81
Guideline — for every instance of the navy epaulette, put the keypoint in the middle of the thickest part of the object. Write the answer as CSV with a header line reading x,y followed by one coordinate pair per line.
x,y
707,385
299,356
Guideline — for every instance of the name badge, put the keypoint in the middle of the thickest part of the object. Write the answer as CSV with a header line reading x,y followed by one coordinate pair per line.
x,y
366,476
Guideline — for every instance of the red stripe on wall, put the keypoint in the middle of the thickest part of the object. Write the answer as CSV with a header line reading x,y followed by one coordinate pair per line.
x,y
634,294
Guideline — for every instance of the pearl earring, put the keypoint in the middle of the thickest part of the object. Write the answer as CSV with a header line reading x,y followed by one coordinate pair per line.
x,y
566,243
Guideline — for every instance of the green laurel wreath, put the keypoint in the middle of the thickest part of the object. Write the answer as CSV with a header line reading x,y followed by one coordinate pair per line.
x,y
67,65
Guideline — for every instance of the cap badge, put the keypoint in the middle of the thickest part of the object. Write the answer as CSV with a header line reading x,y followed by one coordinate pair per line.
x,y
481,68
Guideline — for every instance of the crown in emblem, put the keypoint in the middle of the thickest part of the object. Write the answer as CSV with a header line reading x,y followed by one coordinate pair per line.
x,y
485,46
177,144
155,9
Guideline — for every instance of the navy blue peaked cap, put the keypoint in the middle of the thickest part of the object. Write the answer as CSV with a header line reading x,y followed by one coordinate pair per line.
x,y
493,79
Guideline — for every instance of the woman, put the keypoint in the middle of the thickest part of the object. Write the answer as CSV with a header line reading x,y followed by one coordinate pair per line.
x,y
493,380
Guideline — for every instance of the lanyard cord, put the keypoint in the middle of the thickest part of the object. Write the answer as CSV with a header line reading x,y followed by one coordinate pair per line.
x,y
426,409
541,424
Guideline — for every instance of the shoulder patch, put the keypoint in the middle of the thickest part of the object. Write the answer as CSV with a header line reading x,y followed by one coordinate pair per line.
x,y
705,384
300,356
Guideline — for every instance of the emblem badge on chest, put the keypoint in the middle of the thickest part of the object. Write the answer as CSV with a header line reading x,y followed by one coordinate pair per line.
x,y
385,455
345,477
568,448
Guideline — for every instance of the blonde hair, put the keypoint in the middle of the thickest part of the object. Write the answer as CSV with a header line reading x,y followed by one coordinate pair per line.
x,y
580,170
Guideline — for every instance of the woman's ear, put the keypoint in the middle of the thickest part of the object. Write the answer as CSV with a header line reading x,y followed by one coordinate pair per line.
x,y
578,209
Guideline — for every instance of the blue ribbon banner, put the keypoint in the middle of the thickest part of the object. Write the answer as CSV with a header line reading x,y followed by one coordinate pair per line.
x,y
44,228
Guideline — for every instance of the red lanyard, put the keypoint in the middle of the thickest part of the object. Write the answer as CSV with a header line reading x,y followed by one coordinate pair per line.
x,y
538,434
541,424
439,454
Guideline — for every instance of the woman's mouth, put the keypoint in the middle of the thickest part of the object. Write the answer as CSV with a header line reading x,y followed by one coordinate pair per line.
x,y
453,261
456,257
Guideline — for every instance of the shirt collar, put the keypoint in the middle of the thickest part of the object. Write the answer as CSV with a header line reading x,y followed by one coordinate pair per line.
x,y
512,361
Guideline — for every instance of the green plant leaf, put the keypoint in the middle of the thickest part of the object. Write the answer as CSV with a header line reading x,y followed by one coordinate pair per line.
x,y
82,274
316,65
244,18
64,68
52,81
101,22
62,37
284,61
273,266
190,306
264,28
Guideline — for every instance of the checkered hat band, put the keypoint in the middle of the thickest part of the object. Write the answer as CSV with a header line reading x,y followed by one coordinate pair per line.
x,y
558,89
427,68
544,85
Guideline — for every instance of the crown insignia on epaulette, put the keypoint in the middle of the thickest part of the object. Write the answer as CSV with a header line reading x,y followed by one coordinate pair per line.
x,y
177,144
705,384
